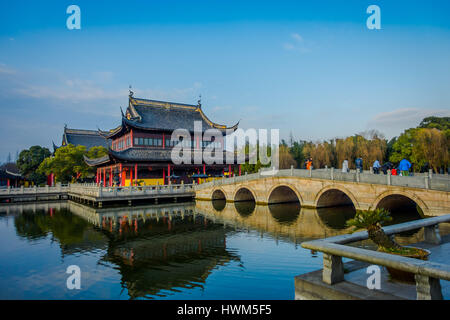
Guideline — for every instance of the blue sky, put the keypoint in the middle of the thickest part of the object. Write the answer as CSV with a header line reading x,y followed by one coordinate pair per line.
x,y
310,67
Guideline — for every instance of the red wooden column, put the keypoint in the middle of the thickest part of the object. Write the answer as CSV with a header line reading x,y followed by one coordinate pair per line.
x,y
131,137
120,175
110,177
164,140
131,177
204,168
168,173
135,173
104,177
198,179
8,183
239,170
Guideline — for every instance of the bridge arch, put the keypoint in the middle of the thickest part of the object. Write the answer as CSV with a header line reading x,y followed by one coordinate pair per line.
x,y
218,194
244,194
397,200
333,196
283,193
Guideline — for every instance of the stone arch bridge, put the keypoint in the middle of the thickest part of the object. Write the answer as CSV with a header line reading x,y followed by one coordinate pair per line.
x,y
330,188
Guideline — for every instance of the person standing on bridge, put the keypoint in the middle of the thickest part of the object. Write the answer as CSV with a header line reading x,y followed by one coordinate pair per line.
x,y
309,165
376,167
404,167
345,166
359,164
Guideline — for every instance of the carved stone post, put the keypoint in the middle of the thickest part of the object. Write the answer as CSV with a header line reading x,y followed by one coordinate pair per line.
x,y
432,235
428,288
333,269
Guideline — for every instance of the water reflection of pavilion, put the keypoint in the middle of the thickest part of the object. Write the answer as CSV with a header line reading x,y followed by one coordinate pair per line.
x,y
160,247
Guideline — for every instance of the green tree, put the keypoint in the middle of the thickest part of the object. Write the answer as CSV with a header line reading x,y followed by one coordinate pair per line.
x,y
253,168
440,123
297,152
68,164
28,162
403,146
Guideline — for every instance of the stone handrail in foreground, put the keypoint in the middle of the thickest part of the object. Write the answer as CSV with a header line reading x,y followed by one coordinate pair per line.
x,y
427,273
440,182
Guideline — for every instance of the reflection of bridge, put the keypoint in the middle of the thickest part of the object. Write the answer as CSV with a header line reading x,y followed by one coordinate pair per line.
x,y
301,223
327,188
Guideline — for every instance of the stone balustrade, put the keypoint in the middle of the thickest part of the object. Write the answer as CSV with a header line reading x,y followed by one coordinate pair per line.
x,y
427,273
440,182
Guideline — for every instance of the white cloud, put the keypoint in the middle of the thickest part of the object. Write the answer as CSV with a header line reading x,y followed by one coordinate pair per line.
x,y
297,37
6,70
288,46
297,44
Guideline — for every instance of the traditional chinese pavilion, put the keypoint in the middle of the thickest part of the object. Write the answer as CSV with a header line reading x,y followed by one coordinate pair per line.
x,y
139,149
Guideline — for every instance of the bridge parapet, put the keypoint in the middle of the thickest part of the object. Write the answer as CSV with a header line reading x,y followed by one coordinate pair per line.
x,y
420,181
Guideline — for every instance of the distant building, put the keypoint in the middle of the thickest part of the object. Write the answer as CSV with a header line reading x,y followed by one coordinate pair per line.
x,y
10,175
80,137
140,147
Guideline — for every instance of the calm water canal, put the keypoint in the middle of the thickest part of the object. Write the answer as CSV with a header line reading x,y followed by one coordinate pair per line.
x,y
202,250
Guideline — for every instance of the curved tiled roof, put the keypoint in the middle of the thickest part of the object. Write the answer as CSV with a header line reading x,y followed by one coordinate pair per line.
x,y
87,138
165,116
97,161
139,155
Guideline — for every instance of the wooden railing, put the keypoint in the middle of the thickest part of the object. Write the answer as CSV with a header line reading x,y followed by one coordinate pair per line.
x,y
427,273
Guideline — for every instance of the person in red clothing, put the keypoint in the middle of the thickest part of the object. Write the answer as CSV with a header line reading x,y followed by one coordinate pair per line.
x,y
309,164
394,172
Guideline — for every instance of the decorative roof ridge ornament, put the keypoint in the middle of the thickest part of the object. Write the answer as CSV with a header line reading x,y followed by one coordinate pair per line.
x,y
199,102
131,92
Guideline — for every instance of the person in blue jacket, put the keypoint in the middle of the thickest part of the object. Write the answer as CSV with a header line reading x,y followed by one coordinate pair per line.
x,y
359,164
376,167
404,167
